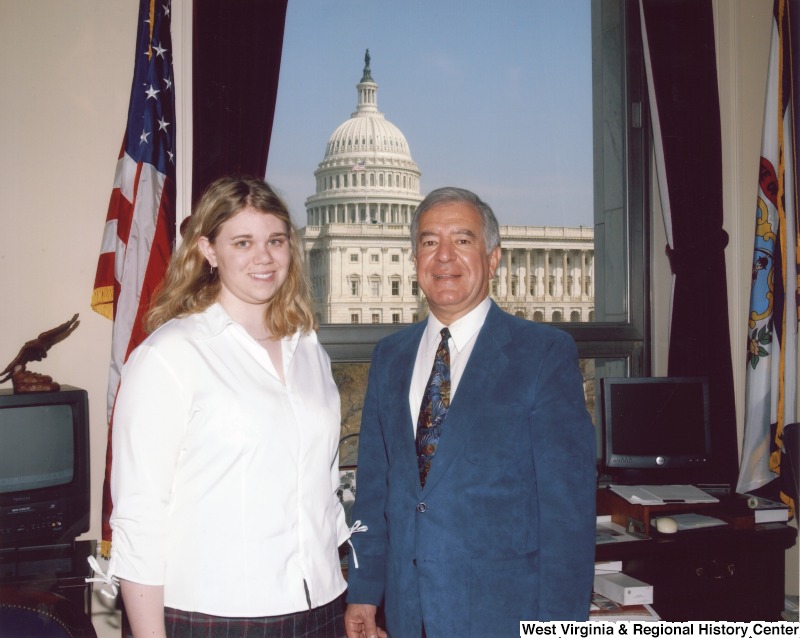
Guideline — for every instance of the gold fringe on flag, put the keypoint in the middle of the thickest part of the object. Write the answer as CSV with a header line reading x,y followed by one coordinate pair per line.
x,y
103,301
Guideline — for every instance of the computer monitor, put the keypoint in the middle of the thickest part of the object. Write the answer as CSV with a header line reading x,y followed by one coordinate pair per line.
x,y
656,430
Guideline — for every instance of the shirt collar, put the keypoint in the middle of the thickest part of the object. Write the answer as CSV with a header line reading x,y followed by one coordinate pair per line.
x,y
214,320
217,320
461,330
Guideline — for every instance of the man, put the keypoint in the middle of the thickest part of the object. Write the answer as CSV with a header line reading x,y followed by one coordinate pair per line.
x,y
488,518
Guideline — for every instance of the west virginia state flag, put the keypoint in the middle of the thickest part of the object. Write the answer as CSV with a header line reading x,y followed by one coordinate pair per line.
x,y
770,402
140,225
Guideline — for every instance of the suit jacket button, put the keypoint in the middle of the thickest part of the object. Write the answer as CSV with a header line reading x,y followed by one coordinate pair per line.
x,y
421,507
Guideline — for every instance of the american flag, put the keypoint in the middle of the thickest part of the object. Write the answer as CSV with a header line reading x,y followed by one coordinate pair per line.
x,y
140,225
360,165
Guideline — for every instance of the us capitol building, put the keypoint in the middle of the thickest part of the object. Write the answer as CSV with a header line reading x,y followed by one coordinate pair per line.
x,y
358,226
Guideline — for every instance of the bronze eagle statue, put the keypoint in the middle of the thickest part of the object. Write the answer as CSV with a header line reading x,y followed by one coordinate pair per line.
x,y
36,350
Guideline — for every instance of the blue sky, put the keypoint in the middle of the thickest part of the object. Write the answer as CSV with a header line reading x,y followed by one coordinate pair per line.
x,y
493,97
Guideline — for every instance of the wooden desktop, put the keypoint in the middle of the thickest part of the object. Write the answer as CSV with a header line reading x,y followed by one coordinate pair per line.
x,y
733,572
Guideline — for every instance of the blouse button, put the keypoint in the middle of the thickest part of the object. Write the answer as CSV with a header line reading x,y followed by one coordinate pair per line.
x,y
421,507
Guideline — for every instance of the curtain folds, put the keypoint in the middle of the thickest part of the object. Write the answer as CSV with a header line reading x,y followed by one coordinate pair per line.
x,y
682,81
237,47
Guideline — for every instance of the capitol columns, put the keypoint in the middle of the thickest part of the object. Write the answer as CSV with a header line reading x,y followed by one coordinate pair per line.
x,y
338,271
528,278
584,290
547,292
509,287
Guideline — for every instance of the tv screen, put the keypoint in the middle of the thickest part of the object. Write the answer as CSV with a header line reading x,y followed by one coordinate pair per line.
x,y
38,447
44,467
656,423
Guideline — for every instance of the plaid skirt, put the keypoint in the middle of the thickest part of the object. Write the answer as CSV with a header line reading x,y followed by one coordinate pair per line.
x,y
326,621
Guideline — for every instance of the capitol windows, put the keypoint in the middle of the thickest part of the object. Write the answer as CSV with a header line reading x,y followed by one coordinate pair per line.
x,y
395,317
374,258
375,287
354,287
395,259
575,316
354,317
354,257
395,283
414,288
376,317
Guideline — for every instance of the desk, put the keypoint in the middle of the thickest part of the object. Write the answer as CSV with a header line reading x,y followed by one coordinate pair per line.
x,y
61,569
731,572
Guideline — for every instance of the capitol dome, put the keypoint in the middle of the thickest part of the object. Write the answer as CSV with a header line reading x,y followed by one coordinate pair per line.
x,y
367,174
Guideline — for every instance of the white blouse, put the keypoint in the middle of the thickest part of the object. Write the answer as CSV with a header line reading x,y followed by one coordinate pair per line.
x,y
223,479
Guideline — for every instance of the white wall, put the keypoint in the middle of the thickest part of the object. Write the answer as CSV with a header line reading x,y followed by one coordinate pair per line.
x,y
65,69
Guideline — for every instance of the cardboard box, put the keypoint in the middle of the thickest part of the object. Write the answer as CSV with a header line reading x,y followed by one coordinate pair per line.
x,y
623,589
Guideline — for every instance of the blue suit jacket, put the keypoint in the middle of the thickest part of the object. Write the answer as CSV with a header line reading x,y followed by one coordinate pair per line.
x,y
504,529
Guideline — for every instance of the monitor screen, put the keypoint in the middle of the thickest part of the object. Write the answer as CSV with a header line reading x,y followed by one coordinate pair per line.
x,y
656,422
37,447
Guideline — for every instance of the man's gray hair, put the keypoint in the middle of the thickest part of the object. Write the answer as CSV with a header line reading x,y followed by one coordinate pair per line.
x,y
451,195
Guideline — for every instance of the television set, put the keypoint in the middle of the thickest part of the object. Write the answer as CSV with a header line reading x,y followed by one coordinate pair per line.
x,y
44,467
656,430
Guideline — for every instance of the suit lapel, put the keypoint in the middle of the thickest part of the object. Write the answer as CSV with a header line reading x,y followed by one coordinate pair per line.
x,y
488,355
400,364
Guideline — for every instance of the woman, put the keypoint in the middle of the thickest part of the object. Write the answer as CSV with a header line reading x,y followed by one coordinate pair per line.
x,y
226,429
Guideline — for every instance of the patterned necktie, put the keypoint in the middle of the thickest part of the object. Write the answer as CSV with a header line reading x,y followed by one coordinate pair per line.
x,y
434,408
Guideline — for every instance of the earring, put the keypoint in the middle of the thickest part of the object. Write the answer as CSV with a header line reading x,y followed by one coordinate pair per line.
x,y
212,271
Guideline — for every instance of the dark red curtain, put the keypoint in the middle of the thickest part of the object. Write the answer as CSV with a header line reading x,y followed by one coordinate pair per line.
x,y
236,59
679,35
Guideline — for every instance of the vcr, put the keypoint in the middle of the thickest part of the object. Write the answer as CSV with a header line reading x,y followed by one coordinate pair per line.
x,y
30,523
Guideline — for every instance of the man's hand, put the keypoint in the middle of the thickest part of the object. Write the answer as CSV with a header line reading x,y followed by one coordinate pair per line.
x,y
359,622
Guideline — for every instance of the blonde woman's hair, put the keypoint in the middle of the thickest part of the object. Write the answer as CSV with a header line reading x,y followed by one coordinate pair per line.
x,y
191,285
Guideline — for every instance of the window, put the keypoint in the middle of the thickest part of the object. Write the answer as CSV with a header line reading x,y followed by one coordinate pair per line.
x,y
354,318
376,317
611,325
395,317
374,258
375,287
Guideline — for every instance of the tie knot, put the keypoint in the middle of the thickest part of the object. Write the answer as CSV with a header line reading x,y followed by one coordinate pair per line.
x,y
445,332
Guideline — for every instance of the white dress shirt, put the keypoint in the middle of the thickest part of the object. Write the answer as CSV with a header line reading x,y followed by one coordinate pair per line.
x,y
463,333
223,478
